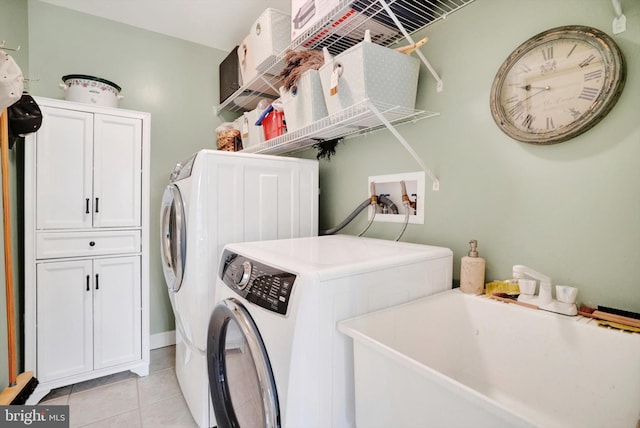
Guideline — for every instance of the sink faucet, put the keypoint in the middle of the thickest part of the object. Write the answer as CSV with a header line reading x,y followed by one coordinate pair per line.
x,y
544,295
544,300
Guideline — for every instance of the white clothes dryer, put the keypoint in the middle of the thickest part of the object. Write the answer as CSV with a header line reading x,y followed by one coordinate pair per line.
x,y
215,198
275,356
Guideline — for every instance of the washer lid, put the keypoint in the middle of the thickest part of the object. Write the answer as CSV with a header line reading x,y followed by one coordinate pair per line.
x,y
337,255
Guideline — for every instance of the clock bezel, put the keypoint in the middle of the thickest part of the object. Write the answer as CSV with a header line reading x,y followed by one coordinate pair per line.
x,y
614,80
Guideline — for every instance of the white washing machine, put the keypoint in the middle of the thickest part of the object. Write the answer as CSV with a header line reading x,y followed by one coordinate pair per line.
x,y
275,356
214,198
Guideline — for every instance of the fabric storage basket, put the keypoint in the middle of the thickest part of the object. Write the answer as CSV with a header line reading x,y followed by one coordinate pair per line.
x,y
270,36
304,104
371,71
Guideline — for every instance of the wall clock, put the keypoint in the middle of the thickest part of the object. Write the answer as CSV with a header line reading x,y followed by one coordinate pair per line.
x,y
557,85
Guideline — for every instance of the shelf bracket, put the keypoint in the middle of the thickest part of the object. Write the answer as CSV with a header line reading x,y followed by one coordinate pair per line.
x,y
619,21
261,76
394,131
385,6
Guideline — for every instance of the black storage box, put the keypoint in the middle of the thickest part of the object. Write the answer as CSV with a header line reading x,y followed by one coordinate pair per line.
x,y
230,77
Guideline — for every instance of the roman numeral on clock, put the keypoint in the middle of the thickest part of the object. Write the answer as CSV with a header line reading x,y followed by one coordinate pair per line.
x,y
593,75
524,68
588,94
550,124
547,53
528,121
587,61
516,110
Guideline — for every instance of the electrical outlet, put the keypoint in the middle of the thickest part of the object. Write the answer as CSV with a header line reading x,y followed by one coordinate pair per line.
x,y
390,186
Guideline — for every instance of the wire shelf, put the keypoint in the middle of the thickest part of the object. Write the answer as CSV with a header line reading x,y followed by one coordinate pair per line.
x,y
355,120
342,28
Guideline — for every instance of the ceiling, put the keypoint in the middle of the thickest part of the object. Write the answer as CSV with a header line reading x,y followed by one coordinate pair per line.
x,y
220,24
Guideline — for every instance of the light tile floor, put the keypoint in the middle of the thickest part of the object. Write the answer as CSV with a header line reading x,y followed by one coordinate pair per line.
x,y
127,400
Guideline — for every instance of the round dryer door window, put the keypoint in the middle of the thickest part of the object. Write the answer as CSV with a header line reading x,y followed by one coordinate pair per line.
x,y
240,378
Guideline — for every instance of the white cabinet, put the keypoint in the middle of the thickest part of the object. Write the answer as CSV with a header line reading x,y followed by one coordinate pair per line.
x,y
86,244
89,170
100,324
64,336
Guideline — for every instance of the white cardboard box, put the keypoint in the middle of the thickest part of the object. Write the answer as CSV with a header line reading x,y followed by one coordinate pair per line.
x,y
246,60
305,13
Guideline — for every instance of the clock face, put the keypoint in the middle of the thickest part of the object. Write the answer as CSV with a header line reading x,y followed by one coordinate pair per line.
x,y
557,85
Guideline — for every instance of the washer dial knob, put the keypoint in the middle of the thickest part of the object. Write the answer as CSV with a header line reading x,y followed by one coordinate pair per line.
x,y
243,275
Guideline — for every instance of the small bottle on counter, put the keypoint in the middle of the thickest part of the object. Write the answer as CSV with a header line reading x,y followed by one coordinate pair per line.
x,y
472,271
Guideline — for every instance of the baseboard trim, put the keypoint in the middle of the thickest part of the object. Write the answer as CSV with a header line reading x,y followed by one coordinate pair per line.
x,y
160,340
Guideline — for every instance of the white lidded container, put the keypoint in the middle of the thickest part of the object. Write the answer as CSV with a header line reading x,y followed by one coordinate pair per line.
x,y
270,35
304,103
369,71
252,134
82,88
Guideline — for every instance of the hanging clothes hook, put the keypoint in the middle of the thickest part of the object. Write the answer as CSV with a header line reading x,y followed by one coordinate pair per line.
x,y
617,8
619,21
4,46
27,81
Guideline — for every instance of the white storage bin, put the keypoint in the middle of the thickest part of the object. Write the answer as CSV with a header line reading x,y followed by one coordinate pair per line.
x,y
252,135
304,104
246,61
269,36
370,71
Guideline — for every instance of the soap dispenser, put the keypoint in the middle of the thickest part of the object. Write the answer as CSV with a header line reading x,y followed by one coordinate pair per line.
x,y
472,271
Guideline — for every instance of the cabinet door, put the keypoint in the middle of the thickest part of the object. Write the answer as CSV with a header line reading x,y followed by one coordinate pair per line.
x,y
64,319
64,169
117,311
117,167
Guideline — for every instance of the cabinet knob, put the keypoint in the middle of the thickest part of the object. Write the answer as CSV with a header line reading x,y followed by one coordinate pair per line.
x,y
92,243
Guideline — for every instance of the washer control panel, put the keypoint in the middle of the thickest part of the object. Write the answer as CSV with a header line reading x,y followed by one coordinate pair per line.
x,y
258,283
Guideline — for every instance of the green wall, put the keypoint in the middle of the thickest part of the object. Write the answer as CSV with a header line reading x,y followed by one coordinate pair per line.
x,y
570,210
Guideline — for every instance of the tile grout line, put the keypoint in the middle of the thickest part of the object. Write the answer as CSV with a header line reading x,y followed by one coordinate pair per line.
x,y
67,397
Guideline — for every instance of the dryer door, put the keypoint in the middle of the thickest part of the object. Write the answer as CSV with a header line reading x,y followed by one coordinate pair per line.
x,y
241,381
173,237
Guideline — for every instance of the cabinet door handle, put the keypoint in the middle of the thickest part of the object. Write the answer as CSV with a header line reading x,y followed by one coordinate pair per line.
x,y
92,243
97,283
87,209
88,279
97,204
